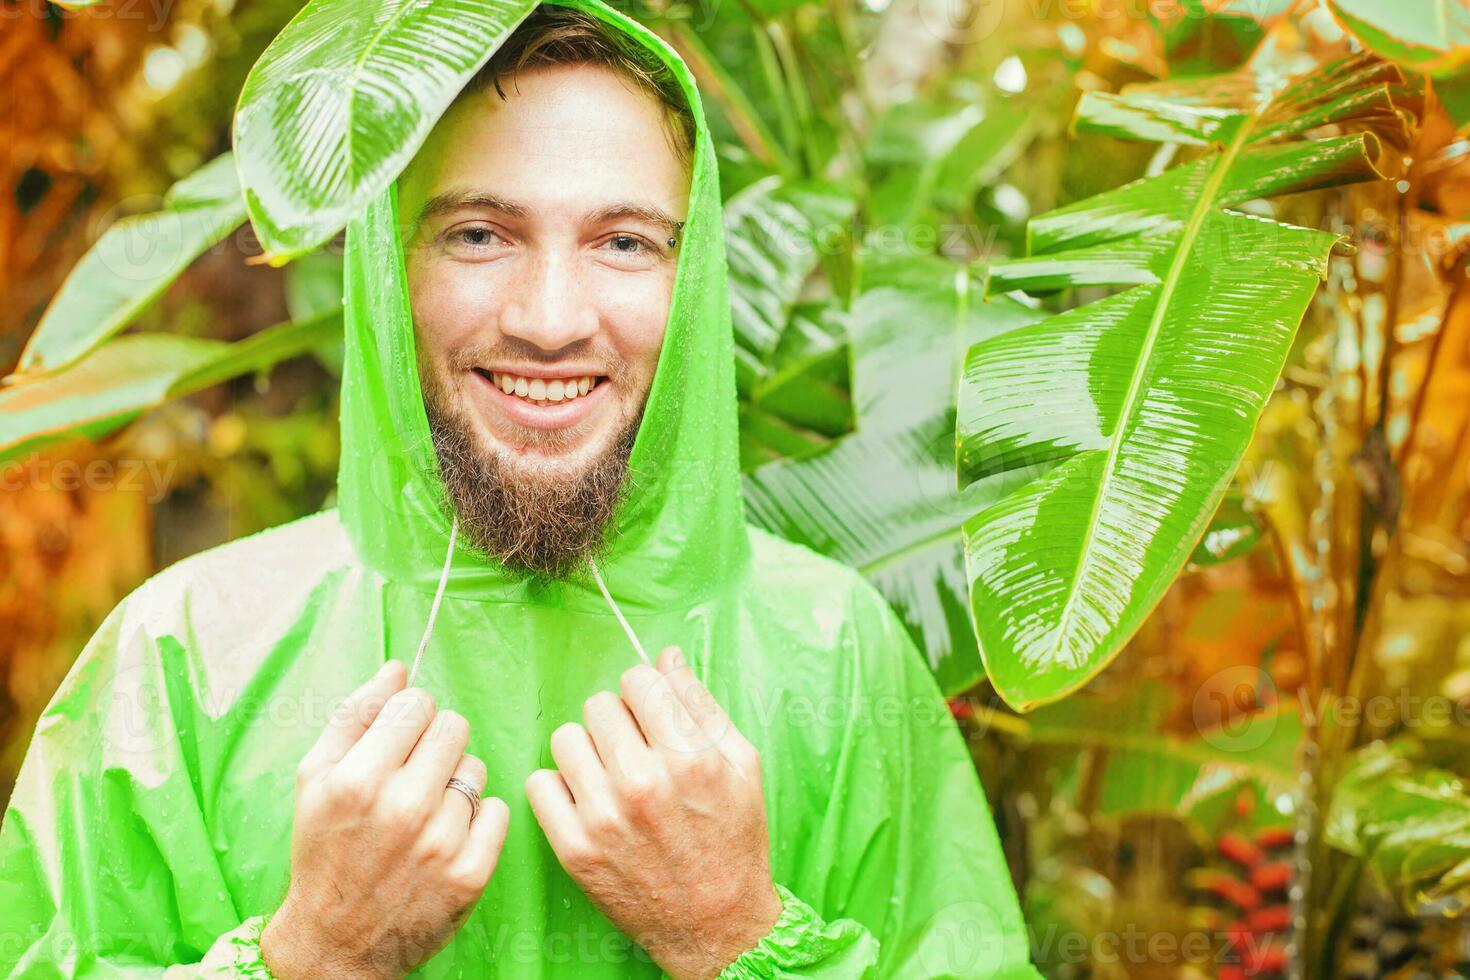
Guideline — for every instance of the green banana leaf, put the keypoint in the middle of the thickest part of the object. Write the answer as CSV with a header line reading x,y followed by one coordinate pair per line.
x,y
122,379
929,149
885,503
1432,36
1410,821
1145,400
913,316
777,232
133,262
883,499
344,97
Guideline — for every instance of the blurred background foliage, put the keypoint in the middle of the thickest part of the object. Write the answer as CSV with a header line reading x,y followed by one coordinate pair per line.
x,y
1275,764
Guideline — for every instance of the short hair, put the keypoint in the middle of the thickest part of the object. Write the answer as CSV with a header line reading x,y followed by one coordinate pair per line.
x,y
557,35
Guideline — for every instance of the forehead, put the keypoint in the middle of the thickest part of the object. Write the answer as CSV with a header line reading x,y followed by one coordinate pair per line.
x,y
565,136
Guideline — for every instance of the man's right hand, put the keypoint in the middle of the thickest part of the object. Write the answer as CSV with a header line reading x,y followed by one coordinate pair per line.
x,y
386,864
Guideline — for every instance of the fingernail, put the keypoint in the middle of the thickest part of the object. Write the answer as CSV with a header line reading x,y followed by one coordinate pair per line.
x,y
383,670
678,657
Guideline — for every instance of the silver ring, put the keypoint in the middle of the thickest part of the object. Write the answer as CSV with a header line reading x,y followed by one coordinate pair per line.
x,y
470,793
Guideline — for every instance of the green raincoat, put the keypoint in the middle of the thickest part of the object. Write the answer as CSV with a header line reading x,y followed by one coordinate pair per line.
x,y
149,832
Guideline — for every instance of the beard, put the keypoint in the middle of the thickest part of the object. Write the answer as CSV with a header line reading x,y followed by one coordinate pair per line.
x,y
535,521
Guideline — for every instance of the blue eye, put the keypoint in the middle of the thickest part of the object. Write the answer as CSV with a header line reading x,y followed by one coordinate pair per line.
x,y
633,239
475,237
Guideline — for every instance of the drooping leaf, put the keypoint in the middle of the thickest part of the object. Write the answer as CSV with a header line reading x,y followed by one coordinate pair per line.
x,y
1410,821
806,382
133,262
912,318
885,503
1145,400
118,381
1432,36
883,499
776,235
342,100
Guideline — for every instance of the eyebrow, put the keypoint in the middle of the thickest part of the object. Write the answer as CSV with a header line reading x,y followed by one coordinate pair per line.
x,y
442,204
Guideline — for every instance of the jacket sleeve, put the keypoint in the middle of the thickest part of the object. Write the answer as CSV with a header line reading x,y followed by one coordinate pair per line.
x,y
911,882
106,866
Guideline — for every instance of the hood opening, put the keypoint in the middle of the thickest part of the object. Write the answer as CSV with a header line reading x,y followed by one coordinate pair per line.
x,y
679,533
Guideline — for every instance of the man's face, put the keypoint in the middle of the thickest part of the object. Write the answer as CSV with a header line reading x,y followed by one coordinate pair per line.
x,y
540,278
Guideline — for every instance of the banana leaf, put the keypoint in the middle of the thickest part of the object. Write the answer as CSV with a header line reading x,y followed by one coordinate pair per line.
x,y
777,233
133,262
1410,821
120,380
1432,36
885,503
883,499
344,97
1145,401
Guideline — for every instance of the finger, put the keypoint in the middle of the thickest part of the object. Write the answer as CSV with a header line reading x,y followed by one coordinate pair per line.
x,y
453,818
714,723
551,803
436,756
483,843
392,735
355,714
577,759
619,741
659,711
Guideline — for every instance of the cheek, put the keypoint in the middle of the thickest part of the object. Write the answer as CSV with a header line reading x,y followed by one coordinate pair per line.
x,y
450,309
636,319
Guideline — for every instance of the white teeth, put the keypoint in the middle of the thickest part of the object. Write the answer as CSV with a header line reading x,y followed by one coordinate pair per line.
x,y
542,390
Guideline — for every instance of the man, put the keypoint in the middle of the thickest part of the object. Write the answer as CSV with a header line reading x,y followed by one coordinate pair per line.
x,y
236,778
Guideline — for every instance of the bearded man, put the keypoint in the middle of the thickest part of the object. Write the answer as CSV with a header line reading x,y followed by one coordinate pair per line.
x,y
539,477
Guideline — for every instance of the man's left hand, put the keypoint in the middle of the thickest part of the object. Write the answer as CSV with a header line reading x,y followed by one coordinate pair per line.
x,y
656,812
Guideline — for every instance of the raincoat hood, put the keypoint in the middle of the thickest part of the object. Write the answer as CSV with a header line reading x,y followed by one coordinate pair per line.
x,y
679,532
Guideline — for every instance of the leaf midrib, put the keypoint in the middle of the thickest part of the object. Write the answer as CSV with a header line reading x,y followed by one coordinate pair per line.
x,y
1187,239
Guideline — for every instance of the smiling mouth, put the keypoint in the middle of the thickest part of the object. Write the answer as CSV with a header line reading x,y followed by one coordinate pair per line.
x,y
543,391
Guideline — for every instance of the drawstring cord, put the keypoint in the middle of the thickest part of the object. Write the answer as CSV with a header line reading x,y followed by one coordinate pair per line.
x,y
632,637
444,580
438,597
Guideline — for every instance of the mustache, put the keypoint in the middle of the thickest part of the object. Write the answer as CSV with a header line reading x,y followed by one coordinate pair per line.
x,y
513,350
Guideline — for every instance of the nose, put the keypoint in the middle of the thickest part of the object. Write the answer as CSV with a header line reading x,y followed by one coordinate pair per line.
x,y
547,304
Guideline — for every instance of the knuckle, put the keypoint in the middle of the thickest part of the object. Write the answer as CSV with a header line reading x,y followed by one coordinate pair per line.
x,y
351,791
640,792
600,703
474,770
468,881
604,823
565,736
437,847
403,814
455,727
581,857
